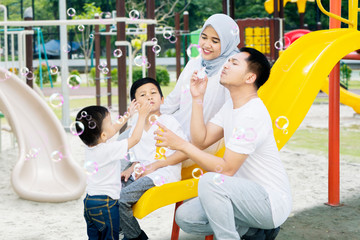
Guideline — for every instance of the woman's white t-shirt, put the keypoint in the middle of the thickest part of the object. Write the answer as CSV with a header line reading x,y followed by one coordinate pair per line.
x,y
248,130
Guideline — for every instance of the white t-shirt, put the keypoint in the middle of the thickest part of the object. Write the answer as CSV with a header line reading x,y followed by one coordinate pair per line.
x,y
179,102
144,152
103,164
248,130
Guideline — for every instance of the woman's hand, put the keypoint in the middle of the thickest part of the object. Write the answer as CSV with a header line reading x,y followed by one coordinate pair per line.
x,y
168,139
198,86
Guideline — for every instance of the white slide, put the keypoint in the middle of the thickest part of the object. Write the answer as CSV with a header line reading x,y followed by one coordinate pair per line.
x,y
41,177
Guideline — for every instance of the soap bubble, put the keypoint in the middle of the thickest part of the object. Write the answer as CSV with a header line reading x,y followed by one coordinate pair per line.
x,y
54,70
91,35
139,168
282,122
134,14
77,128
218,179
71,12
24,71
81,28
193,51
156,49
56,156
117,53
91,168
74,81
120,120
235,30
167,34
105,70
159,180
172,39
153,119
197,173
66,48
56,100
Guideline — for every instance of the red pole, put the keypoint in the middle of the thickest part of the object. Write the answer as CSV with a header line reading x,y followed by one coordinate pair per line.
x,y
334,120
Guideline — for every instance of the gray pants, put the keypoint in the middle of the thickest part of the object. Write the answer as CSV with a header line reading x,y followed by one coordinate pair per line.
x,y
130,194
227,210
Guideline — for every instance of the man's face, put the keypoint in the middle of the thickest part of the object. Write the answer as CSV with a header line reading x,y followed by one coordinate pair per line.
x,y
235,71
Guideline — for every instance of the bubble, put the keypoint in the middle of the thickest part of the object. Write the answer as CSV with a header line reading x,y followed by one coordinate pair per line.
x,y
218,168
56,100
234,30
92,125
238,133
282,122
154,40
162,151
24,71
130,156
153,119
74,81
167,34
34,152
77,128
278,45
218,179
120,120
105,70
91,35
27,157
117,53
30,76
148,65
71,12
7,76
88,117
134,14
201,73
54,70
127,115
83,114
250,135
172,39
193,51
282,43
102,65
104,15
285,131
159,180
197,173
140,60
81,28
56,156
156,49
66,48
91,168
139,168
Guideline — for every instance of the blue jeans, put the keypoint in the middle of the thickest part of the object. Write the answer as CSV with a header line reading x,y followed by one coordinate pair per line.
x,y
102,217
227,210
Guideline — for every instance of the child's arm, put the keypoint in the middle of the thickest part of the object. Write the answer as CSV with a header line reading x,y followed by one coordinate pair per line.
x,y
144,111
123,119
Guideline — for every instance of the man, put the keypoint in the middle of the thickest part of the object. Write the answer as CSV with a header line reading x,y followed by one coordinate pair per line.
x,y
253,197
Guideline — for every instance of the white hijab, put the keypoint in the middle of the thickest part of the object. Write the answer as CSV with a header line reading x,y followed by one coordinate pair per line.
x,y
228,32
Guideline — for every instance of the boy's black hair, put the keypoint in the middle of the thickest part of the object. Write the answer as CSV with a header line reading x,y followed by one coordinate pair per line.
x,y
258,64
92,118
143,81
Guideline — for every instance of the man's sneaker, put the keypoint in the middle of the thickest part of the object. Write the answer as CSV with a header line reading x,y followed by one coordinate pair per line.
x,y
261,234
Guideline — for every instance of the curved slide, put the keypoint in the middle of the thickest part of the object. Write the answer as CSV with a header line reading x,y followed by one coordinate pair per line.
x,y
39,134
299,74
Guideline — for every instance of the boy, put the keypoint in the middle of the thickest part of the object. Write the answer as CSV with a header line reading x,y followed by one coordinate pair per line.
x,y
101,209
146,90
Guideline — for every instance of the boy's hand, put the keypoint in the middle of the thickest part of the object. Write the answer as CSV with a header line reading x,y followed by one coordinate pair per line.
x,y
198,86
133,107
145,109
126,174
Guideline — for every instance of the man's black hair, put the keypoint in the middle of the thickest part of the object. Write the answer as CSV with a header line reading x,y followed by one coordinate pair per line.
x,y
258,64
91,118
143,81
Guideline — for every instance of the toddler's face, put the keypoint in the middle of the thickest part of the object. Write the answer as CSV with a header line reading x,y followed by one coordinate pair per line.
x,y
149,92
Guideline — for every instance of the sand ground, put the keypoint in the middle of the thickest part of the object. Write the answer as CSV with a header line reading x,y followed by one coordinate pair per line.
x,y
310,218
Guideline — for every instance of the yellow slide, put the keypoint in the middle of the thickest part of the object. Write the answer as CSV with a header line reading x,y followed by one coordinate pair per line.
x,y
300,72
346,97
301,4
294,83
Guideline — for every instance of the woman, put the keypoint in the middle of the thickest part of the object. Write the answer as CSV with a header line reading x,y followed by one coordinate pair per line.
x,y
218,41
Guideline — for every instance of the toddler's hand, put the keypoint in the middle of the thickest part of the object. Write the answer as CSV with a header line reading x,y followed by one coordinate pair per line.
x,y
133,107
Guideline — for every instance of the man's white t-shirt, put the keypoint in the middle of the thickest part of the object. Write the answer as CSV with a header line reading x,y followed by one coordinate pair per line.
x,y
248,130
144,152
103,161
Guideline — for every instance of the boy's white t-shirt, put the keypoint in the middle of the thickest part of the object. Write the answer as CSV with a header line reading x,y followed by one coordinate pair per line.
x,y
103,162
144,151
248,130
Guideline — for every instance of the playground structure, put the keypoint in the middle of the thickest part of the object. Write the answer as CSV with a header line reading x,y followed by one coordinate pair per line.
x,y
300,62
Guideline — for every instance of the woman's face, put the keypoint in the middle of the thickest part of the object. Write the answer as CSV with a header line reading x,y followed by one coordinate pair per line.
x,y
210,44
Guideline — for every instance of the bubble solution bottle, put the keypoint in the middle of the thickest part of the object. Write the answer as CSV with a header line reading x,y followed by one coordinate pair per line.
x,y
160,151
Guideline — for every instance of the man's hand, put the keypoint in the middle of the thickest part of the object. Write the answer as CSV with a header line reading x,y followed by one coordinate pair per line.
x,y
198,86
168,139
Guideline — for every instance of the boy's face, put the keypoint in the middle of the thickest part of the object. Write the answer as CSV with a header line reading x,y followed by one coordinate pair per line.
x,y
108,129
149,92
